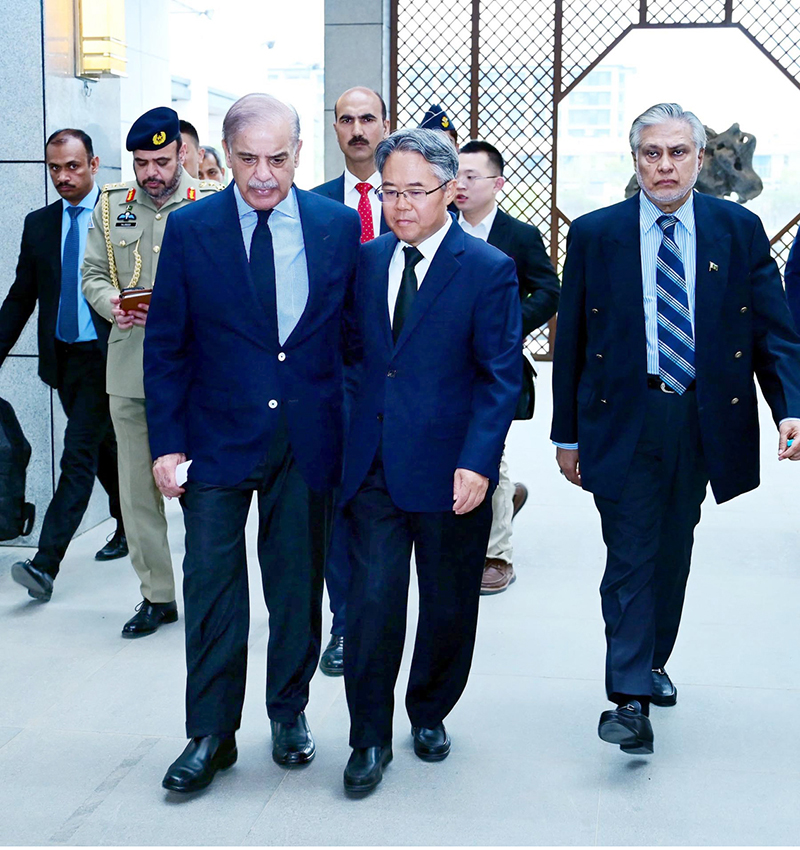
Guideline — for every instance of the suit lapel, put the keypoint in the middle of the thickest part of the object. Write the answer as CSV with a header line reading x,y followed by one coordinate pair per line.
x,y
51,240
380,283
713,264
500,234
440,272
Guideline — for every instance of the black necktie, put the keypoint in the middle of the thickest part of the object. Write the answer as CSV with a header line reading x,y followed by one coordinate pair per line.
x,y
262,269
408,291
68,308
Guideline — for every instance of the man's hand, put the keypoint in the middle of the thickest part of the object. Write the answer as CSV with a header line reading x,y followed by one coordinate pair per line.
x,y
164,474
569,464
789,430
469,490
126,319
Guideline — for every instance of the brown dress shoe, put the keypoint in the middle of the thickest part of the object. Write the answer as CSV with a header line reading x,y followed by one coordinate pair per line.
x,y
519,498
497,576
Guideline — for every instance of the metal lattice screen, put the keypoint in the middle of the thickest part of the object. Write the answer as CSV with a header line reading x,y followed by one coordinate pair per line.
x,y
501,68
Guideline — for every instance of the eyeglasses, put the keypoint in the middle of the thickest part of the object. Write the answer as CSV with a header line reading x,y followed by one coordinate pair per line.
x,y
469,179
414,196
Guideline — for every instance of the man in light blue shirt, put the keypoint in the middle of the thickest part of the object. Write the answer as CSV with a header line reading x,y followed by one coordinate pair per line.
x,y
72,347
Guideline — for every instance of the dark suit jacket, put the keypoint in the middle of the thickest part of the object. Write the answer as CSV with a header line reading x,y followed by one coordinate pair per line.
x,y
210,369
38,278
443,396
742,327
791,279
334,189
539,289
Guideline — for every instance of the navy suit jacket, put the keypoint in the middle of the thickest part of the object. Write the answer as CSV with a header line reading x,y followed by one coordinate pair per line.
x,y
334,189
210,370
742,327
443,397
791,279
38,278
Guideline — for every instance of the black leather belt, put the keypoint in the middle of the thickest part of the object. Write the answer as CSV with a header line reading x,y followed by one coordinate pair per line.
x,y
654,382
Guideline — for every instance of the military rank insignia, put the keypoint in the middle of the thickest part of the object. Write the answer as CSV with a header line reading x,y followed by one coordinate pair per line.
x,y
191,194
130,196
127,219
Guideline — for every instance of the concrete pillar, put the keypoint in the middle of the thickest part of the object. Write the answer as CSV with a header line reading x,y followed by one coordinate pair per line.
x,y
356,54
40,94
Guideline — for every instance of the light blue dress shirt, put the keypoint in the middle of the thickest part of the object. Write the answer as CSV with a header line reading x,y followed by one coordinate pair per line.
x,y
291,268
86,331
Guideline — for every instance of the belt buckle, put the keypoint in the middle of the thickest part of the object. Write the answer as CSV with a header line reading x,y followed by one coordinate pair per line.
x,y
665,389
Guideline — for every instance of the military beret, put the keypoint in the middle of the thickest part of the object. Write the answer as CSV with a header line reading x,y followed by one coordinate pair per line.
x,y
154,130
436,119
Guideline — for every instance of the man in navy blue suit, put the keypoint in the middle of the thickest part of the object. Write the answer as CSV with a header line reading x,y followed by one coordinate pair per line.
x,y
670,304
243,377
360,122
438,328
791,279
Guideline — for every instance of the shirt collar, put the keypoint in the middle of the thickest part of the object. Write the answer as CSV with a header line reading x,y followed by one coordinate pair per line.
x,y
288,206
487,221
430,246
649,213
88,203
350,180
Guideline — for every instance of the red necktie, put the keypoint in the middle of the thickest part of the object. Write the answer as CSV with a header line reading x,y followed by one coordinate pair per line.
x,y
365,212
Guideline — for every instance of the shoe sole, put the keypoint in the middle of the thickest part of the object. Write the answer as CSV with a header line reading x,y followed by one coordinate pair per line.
x,y
293,759
664,702
362,789
23,577
617,733
486,592
99,557
224,764
327,671
432,756
170,618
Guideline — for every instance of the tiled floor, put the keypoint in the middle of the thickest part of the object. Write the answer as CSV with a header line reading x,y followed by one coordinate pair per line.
x,y
89,722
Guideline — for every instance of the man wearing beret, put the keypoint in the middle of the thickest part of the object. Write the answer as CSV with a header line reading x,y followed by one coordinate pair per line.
x,y
437,119
122,252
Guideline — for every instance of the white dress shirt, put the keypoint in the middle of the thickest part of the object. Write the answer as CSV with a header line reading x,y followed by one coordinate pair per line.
x,y
352,197
428,249
482,228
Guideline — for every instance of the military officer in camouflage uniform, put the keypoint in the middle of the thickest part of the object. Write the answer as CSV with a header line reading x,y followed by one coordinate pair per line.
x,y
122,253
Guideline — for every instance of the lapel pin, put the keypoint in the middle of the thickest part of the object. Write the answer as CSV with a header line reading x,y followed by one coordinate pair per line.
x,y
713,267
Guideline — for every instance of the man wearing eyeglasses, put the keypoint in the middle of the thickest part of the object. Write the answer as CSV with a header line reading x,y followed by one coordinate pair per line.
x,y
438,329
479,179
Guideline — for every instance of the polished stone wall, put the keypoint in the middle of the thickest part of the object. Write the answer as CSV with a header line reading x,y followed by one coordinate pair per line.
x,y
356,54
40,94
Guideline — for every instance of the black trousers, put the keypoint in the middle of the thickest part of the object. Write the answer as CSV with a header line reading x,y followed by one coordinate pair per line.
x,y
649,535
337,572
449,551
90,449
293,527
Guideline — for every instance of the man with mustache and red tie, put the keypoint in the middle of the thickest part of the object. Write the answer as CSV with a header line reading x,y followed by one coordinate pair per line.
x,y
360,124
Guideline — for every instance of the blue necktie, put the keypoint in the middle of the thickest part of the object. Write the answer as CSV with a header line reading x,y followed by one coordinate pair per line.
x,y
675,334
262,269
68,311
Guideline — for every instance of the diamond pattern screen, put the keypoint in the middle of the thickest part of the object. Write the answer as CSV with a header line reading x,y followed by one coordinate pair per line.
x,y
517,69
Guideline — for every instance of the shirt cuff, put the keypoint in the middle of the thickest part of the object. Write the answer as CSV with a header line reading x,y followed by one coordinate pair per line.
x,y
789,419
570,446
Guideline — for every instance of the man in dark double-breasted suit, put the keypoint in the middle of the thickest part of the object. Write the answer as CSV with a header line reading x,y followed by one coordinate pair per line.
x,y
670,304
438,331
243,377
73,342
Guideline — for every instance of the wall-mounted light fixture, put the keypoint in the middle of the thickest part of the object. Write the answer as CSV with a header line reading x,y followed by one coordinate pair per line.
x,y
101,48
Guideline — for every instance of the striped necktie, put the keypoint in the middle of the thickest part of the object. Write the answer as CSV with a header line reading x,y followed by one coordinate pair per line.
x,y
675,334
68,307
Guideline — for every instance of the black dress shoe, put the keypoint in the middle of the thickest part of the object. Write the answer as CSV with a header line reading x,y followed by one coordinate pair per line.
x,y
149,616
198,763
627,726
116,547
431,744
365,768
332,661
292,743
664,692
38,582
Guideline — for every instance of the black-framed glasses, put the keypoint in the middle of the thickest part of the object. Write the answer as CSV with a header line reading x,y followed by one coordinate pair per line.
x,y
415,196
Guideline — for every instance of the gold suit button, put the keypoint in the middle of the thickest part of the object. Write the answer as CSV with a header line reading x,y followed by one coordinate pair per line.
x,y
734,401
159,216
156,249
122,243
